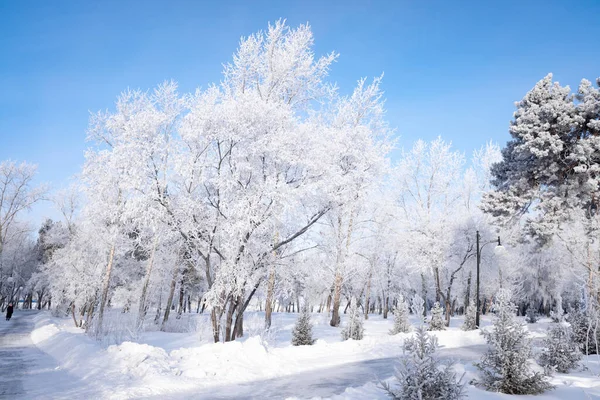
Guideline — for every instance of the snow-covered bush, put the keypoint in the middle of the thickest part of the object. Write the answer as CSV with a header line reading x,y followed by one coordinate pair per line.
x,y
470,317
505,365
421,375
354,328
437,318
532,316
401,323
302,333
586,329
560,352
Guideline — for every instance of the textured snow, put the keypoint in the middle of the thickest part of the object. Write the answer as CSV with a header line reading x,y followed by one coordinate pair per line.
x,y
260,367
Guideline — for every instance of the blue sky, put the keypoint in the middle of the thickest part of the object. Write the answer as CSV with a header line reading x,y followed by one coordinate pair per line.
x,y
452,68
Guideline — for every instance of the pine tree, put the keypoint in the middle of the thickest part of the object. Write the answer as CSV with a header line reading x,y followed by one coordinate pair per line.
x,y
470,317
302,333
586,329
437,318
561,352
532,316
401,323
505,366
417,306
421,375
354,328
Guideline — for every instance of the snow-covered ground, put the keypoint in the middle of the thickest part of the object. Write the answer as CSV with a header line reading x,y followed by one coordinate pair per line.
x,y
187,365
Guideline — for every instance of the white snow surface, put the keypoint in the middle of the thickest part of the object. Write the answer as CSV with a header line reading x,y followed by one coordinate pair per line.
x,y
188,366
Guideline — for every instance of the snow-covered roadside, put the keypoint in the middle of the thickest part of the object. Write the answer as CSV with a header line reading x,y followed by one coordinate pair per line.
x,y
159,366
129,370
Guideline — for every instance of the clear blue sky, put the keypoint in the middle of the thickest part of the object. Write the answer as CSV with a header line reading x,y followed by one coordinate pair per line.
x,y
452,68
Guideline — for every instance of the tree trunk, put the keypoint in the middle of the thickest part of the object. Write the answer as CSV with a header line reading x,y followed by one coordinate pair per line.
x,y
181,297
142,306
106,285
215,323
386,307
368,294
170,299
270,294
337,292
73,314
229,319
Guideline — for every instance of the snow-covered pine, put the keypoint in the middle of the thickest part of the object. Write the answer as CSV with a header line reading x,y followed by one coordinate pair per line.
x,y
417,306
354,327
586,329
470,314
560,352
302,333
401,322
437,318
532,316
421,375
505,365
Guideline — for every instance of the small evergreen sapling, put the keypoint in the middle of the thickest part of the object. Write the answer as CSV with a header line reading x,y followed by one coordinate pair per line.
x,y
417,306
437,318
302,333
470,317
561,352
401,323
354,328
421,374
532,316
505,366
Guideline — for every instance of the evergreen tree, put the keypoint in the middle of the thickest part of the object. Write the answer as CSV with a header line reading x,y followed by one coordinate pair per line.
x,y
417,307
550,164
354,328
532,316
505,366
469,323
302,333
437,318
561,352
401,323
421,375
586,329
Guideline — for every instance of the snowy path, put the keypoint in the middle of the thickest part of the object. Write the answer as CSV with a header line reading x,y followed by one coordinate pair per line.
x,y
28,373
324,383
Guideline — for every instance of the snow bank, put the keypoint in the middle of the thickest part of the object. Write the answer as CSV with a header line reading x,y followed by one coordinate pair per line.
x,y
176,365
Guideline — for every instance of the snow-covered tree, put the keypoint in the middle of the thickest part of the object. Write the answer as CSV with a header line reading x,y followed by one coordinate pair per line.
x,y
354,327
585,323
550,169
401,323
417,306
505,366
532,315
302,332
470,313
421,375
437,318
560,352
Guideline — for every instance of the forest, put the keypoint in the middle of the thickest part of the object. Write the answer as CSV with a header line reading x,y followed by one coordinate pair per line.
x,y
276,191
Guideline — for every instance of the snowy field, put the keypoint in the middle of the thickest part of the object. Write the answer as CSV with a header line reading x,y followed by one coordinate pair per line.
x,y
159,365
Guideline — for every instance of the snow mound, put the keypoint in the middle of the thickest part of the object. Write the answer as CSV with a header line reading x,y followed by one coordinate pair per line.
x,y
141,360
